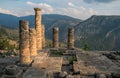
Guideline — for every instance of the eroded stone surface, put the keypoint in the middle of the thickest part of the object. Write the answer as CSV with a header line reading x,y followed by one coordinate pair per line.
x,y
70,38
88,65
34,73
44,65
89,62
43,35
38,27
33,47
24,42
55,37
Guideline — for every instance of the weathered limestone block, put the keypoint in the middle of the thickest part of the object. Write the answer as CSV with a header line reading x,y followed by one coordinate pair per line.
x,y
70,38
38,27
43,36
33,47
55,37
24,42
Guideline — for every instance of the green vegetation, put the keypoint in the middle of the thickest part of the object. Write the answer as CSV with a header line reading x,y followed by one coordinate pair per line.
x,y
61,44
5,45
50,44
8,33
85,47
8,38
71,60
56,53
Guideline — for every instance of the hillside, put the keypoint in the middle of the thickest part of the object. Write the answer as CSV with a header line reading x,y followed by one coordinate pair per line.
x,y
9,20
49,20
8,33
99,32
8,38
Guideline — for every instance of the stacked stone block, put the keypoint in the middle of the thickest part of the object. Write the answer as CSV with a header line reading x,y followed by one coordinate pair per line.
x,y
70,38
43,36
38,27
55,37
24,42
31,40
33,48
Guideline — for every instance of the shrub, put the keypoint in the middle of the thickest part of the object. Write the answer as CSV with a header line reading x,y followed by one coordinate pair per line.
x,y
71,60
4,45
85,47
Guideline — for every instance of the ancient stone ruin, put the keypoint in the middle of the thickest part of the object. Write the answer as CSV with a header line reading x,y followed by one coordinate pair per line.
x,y
55,37
37,61
70,38
32,42
43,36
24,42
38,27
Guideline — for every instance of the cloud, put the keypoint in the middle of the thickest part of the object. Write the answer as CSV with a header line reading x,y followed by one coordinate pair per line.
x,y
45,7
71,4
70,10
102,1
78,12
7,12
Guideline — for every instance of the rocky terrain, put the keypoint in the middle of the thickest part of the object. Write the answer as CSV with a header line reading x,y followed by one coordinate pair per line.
x,y
64,63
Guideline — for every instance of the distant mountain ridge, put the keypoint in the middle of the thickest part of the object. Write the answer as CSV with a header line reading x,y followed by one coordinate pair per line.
x,y
13,21
98,32
49,20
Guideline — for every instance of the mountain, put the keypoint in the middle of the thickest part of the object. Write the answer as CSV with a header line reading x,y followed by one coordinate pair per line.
x,y
9,20
49,20
99,33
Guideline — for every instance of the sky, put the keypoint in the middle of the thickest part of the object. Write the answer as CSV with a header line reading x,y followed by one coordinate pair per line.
x,y
81,9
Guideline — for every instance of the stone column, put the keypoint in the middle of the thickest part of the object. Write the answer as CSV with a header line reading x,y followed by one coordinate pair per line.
x,y
55,37
38,27
33,47
43,36
70,38
24,42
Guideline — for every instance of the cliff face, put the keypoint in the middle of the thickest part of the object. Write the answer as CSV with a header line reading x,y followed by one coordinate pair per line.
x,y
99,32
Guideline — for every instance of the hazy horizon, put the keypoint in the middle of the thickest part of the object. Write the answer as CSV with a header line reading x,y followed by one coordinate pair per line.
x,y
81,9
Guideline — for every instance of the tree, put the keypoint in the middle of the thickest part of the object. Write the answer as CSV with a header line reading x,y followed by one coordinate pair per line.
x,y
86,47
